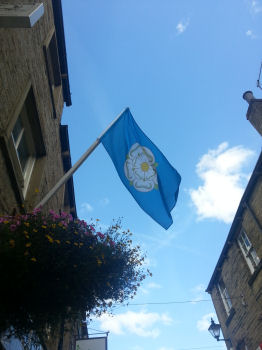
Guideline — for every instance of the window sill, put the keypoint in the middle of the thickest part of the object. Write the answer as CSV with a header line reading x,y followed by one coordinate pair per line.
x,y
230,316
255,273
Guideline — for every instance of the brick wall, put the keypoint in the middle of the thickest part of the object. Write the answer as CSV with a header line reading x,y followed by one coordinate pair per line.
x,y
244,323
22,62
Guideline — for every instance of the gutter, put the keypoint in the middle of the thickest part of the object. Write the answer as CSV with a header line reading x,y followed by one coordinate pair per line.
x,y
60,35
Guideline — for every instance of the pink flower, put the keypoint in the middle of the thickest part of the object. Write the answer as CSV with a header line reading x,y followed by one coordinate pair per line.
x,y
112,244
35,211
92,228
83,223
12,227
100,235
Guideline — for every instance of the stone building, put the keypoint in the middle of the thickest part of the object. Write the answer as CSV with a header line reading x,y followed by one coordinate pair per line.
x,y
236,284
34,86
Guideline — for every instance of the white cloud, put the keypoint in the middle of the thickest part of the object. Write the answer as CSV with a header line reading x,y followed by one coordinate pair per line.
x,y
223,182
154,285
182,26
250,34
255,6
151,285
143,324
104,202
199,288
199,293
204,323
86,207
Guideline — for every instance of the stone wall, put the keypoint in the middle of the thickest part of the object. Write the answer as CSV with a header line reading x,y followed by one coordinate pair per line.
x,y
22,62
244,322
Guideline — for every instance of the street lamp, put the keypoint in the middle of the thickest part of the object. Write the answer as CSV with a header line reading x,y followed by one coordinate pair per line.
x,y
214,329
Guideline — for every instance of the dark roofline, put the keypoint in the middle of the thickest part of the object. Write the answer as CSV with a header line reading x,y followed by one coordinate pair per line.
x,y
256,173
67,164
60,36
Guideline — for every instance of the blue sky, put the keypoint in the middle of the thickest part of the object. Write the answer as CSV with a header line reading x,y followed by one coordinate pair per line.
x,y
181,67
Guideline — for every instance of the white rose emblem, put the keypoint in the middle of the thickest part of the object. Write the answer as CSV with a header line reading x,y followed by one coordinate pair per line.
x,y
140,168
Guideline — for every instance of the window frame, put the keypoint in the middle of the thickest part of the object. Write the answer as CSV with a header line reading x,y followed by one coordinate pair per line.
x,y
26,111
25,171
248,251
225,296
53,70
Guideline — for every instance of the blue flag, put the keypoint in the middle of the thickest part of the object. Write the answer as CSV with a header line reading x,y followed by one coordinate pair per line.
x,y
143,169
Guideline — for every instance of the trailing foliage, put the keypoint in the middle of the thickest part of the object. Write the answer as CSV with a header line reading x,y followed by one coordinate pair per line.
x,y
53,268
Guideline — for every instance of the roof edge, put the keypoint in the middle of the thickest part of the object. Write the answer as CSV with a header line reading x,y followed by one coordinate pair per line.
x,y
60,35
252,181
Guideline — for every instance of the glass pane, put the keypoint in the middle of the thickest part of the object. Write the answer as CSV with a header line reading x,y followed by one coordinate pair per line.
x,y
241,242
22,152
17,129
254,256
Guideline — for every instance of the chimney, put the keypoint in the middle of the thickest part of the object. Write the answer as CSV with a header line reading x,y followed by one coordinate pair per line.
x,y
254,112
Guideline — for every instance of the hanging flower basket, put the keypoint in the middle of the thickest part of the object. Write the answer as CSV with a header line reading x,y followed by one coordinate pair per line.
x,y
54,268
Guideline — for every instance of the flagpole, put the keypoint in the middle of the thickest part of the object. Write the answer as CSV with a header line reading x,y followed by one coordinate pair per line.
x,y
74,168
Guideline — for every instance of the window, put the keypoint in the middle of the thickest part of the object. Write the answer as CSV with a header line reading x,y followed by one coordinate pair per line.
x,y
225,296
24,146
248,251
21,137
53,69
241,345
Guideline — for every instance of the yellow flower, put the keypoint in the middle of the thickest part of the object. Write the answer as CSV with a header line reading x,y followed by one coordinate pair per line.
x,y
36,190
27,236
34,230
76,244
53,225
6,222
81,244
99,262
25,232
43,226
57,241
68,242
28,245
33,259
26,224
12,243
60,224
75,232
49,238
